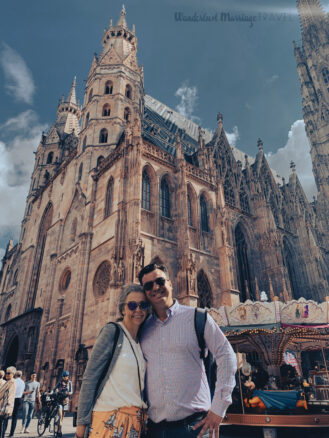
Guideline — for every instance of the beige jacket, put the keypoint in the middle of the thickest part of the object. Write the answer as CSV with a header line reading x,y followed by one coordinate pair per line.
x,y
7,397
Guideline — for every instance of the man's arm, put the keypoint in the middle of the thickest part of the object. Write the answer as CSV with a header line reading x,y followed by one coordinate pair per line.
x,y
225,358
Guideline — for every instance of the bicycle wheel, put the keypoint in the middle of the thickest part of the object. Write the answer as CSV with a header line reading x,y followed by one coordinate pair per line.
x,y
55,423
41,426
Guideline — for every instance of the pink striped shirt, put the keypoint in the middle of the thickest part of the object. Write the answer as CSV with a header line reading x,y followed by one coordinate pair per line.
x,y
176,382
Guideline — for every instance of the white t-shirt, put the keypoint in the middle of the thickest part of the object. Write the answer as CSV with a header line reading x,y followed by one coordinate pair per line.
x,y
20,386
122,387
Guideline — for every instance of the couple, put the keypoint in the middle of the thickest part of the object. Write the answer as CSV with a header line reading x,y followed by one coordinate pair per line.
x,y
111,402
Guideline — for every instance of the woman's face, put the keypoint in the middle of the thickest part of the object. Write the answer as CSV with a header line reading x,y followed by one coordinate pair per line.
x,y
135,309
9,375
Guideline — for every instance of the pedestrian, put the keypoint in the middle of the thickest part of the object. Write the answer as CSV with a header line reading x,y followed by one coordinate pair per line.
x,y
178,393
2,380
64,390
20,386
7,399
111,396
31,394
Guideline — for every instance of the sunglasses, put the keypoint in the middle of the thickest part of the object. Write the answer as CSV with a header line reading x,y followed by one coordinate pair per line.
x,y
132,305
160,281
8,372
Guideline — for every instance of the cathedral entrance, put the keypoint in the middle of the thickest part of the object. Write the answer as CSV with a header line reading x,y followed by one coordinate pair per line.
x,y
12,353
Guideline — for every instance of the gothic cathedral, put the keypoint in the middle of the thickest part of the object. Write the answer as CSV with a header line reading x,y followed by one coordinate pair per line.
x,y
124,180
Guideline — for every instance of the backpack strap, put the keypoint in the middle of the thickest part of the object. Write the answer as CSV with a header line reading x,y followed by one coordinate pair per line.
x,y
200,318
116,337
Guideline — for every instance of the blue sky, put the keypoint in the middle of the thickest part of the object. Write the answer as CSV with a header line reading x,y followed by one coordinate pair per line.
x,y
246,71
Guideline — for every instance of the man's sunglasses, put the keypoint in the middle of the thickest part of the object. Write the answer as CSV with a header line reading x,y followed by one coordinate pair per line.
x,y
143,305
8,372
160,281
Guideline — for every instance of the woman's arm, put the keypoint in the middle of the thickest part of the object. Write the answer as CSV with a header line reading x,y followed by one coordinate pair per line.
x,y
100,355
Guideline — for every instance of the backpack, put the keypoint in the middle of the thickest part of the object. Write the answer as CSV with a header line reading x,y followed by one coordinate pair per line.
x,y
200,318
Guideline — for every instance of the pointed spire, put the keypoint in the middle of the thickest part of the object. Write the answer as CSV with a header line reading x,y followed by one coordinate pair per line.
x,y
309,10
293,167
72,95
271,288
260,145
122,20
257,293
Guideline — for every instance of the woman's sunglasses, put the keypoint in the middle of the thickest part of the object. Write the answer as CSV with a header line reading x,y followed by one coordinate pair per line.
x,y
143,305
160,281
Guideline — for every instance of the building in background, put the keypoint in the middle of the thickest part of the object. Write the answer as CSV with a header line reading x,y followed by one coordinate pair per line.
x,y
125,180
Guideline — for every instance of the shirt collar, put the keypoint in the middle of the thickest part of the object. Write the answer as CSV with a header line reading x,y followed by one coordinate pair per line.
x,y
170,312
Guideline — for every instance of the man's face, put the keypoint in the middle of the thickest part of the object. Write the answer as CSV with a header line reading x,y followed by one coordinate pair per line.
x,y
33,377
158,295
65,378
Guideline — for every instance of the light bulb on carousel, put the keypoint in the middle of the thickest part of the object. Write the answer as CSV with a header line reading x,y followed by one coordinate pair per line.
x,y
263,296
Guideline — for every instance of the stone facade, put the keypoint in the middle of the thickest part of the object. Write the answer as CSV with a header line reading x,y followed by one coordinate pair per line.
x,y
124,181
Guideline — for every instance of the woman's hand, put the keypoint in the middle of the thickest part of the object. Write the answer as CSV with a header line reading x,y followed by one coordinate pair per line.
x,y
80,431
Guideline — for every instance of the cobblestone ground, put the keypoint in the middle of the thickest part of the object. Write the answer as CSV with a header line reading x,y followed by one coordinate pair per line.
x,y
68,429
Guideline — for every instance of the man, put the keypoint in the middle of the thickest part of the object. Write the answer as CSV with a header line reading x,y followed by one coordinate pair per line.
x,y
64,389
20,386
31,395
177,388
7,399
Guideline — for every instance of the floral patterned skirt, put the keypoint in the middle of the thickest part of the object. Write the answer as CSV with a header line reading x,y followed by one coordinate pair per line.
x,y
125,422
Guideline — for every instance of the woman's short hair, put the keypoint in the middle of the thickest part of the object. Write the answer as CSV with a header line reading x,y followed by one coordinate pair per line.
x,y
2,374
125,292
11,370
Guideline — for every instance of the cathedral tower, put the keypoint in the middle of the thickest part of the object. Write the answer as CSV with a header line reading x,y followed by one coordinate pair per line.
x,y
313,70
114,89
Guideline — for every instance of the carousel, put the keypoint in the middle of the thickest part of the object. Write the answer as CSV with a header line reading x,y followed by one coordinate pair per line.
x,y
278,389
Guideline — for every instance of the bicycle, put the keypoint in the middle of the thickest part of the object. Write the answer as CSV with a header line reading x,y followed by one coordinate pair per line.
x,y
49,416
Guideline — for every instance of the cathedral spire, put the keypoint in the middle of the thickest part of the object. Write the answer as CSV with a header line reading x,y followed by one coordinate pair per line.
x,y
122,20
309,11
72,94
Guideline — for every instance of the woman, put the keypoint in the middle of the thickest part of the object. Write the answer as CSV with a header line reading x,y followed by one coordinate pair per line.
x,y
111,395
7,399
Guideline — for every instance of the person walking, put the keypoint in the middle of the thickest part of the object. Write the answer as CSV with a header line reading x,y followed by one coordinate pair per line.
x,y
7,399
31,394
20,386
64,390
111,396
178,393
2,378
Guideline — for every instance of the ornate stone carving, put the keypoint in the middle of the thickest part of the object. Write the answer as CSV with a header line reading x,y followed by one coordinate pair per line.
x,y
139,256
102,279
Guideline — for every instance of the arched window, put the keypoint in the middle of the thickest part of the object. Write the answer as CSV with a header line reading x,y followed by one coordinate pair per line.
x,y
189,211
164,199
84,143
103,136
128,92
325,75
126,114
74,229
50,157
90,95
146,191
80,172
99,160
109,198
229,193
8,313
244,277
204,214
106,110
15,277
108,87
290,262
204,291
244,203
87,120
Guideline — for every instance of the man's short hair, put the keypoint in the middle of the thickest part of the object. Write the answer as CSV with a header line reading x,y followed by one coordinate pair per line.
x,y
150,268
11,370
18,374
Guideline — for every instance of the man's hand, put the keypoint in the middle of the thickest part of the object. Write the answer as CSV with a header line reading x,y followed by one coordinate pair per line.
x,y
211,422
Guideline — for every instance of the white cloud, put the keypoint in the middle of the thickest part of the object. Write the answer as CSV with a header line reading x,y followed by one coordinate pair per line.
x,y
18,77
2,253
296,149
189,97
16,165
271,80
233,136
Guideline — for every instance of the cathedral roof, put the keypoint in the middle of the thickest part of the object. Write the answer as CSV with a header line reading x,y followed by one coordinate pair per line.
x,y
161,125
